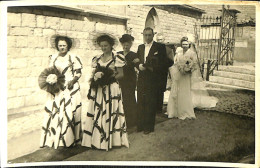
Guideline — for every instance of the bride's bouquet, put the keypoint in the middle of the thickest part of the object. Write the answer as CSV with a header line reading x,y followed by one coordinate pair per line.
x,y
186,65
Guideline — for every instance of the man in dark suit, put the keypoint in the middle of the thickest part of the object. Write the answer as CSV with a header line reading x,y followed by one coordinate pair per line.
x,y
153,58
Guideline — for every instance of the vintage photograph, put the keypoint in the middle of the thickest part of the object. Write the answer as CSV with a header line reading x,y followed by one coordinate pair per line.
x,y
130,82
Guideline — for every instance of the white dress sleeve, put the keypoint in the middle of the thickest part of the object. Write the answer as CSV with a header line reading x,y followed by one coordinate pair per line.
x,y
76,62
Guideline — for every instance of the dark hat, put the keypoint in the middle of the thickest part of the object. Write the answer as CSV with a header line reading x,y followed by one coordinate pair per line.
x,y
126,38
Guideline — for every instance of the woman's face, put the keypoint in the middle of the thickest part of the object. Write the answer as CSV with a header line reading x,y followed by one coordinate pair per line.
x,y
105,47
62,47
126,46
185,45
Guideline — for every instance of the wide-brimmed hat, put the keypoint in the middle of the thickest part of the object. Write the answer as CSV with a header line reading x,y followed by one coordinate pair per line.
x,y
74,42
95,36
126,38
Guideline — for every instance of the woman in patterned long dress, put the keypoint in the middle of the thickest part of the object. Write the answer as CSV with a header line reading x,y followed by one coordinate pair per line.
x,y
62,120
105,124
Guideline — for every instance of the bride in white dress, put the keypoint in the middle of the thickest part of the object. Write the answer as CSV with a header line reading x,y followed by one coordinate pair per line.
x,y
187,90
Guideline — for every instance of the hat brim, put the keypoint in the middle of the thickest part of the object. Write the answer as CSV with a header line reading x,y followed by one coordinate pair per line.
x,y
74,41
94,36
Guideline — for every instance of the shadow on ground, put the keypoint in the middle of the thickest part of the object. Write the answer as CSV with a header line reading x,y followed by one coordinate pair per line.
x,y
214,136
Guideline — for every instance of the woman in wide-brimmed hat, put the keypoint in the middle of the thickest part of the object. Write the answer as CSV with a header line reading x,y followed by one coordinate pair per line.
x,y
128,82
62,121
105,125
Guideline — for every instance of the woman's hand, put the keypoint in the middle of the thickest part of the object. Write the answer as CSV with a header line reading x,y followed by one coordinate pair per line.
x,y
72,82
98,75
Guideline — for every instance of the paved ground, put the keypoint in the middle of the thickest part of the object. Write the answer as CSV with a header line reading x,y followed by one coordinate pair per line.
x,y
213,136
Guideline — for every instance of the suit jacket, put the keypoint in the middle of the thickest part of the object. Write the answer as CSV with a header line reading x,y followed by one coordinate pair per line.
x,y
155,64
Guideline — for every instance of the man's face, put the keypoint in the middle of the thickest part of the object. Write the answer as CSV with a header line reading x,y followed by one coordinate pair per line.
x,y
148,36
160,38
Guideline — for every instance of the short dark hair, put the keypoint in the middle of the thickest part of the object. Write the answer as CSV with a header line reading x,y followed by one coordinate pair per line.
x,y
107,38
126,38
63,38
148,28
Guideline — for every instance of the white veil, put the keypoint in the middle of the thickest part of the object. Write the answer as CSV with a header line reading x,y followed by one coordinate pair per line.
x,y
199,93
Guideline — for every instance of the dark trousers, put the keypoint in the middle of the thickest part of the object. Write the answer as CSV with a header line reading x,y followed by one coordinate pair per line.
x,y
160,101
147,105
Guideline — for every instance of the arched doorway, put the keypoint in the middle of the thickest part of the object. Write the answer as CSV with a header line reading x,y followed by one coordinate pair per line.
x,y
152,20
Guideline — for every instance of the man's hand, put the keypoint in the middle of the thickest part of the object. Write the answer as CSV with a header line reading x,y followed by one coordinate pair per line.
x,y
136,60
141,67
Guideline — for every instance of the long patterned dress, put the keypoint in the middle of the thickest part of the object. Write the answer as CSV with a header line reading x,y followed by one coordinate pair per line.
x,y
105,124
62,119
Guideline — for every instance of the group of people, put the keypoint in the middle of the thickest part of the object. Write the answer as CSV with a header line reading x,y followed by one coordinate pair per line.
x,y
112,104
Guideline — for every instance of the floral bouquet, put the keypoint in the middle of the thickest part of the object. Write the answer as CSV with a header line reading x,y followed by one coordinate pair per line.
x,y
102,76
186,65
51,80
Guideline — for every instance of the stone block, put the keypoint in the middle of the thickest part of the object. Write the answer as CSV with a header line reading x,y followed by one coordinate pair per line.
x,y
36,71
31,82
61,32
41,52
33,42
42,42
38,32
89,26
52,22
17,63
11,41
21,31
14,19
100,27
72,34
28,20
83,44
48,32
11,93
15,102
25,91
77,25
34,99
40,21
17,83
19,73
65,24
27,52
21,41
13,52
35,62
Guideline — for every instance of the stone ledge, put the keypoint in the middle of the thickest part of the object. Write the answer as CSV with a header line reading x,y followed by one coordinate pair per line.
x,y
235,75
210,84
233,82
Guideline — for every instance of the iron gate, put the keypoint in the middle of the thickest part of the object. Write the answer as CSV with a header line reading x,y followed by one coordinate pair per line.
x,y
215,41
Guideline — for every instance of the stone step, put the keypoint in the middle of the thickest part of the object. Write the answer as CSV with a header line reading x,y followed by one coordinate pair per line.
x,y
238,69
223,87
234,75
232,82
